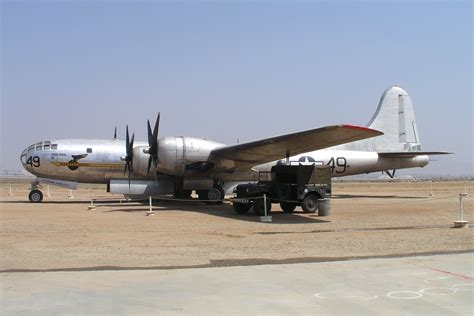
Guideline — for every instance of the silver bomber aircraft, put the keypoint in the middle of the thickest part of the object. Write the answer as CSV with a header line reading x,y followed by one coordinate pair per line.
x,y
178,165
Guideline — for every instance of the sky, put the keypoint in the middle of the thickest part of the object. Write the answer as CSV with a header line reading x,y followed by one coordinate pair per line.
x,y
233,70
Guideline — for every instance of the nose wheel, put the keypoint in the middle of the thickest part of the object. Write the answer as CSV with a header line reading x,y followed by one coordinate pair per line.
x,y
35,196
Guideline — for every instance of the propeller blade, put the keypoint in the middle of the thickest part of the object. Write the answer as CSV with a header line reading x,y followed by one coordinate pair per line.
x,y
129,154
157,125
127,140
149,164
131,145
115,133
150,134
153,143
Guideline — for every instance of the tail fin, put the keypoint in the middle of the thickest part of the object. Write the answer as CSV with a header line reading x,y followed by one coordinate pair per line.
x,y
396,119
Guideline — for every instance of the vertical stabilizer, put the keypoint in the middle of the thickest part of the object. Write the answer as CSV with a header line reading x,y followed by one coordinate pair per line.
x,y
396,119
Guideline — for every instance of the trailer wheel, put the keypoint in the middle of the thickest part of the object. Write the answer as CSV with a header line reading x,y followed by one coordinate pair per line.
x,y
310,204
259,208
287,207
241,208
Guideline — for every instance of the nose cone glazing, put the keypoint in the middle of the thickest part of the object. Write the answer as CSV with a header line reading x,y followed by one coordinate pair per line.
x,y
23,157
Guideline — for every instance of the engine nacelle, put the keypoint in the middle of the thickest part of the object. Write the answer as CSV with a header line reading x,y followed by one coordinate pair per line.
x,y
140,161
176,156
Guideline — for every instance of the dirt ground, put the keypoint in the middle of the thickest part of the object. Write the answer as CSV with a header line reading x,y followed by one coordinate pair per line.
x,y
367,219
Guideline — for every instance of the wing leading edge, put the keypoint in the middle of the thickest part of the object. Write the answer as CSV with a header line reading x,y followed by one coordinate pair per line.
x,y
270,149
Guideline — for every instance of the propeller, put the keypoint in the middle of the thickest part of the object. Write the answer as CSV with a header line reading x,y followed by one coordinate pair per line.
x,y
115,133
153,143
129,157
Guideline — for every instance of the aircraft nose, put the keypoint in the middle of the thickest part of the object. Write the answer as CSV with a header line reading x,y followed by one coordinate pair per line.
x,y
23,157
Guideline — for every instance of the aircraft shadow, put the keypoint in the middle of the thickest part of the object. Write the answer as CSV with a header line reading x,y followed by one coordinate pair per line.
x,y
224,210
192,205
352,196
63,202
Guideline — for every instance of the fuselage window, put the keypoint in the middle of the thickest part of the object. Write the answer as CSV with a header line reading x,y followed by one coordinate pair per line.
x,y
54,146
89,150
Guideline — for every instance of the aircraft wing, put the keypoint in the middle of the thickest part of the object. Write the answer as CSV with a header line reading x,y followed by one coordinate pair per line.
x,y
274,148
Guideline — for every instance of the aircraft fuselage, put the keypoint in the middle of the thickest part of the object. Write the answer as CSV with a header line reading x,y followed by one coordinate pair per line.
x,y
99,161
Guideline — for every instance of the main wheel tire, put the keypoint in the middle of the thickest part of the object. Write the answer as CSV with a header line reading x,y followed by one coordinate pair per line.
x,y
287,207
213,196
241,208
259,208
310,204
35,196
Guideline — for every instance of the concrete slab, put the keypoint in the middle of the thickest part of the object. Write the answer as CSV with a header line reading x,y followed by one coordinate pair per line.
x,y
434,285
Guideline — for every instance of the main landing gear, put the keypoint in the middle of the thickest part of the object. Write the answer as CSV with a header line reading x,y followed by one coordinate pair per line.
x,y
35,195
212,196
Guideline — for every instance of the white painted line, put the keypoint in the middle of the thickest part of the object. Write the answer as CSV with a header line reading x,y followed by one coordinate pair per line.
x,y
405,295
439,291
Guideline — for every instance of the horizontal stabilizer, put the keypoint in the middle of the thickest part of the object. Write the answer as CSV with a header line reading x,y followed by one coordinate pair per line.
x,y
411,154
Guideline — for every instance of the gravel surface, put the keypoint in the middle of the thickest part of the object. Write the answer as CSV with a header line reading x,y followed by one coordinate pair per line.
x,y
367,220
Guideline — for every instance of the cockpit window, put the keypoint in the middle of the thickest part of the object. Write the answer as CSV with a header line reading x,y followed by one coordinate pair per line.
x,y
23,156
31,148
46,145
54,146
39,146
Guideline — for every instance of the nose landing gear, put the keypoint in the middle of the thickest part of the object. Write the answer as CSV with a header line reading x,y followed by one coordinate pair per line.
x,y
35,195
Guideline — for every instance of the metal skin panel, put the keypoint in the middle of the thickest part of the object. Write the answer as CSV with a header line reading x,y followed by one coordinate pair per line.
x,y
60,183
176,153
142,187
71,161
347,163
140,162
395,117
253,153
